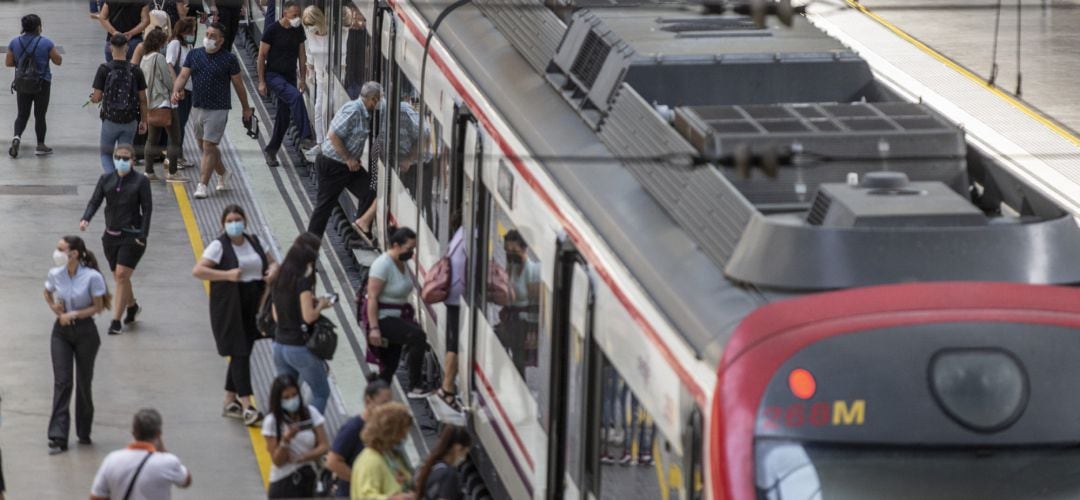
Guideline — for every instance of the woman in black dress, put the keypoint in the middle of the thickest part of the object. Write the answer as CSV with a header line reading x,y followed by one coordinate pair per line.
x,y
238,269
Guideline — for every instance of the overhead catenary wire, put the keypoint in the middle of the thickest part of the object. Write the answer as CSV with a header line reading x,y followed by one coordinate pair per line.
x,y
993,52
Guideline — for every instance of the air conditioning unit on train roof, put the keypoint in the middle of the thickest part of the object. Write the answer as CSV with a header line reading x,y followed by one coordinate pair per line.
x,y
690,59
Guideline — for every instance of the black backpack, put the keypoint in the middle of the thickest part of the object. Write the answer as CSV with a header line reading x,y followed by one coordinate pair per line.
x,y
121,102
27,77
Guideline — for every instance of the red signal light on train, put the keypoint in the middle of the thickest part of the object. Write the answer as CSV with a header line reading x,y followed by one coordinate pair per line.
x,y
802,383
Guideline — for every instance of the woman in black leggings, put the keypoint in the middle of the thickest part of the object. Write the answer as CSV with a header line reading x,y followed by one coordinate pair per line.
x,y
32,47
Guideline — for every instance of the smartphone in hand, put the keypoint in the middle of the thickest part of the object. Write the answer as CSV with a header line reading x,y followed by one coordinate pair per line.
x,y
331,298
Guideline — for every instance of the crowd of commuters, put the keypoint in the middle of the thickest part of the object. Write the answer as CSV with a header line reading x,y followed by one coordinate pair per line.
x,y
154,81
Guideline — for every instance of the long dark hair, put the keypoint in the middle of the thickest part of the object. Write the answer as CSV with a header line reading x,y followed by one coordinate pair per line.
x,y
181,27
87,259
304,251
281,383
451,435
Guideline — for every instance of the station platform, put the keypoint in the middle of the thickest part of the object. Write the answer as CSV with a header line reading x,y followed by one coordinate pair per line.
x,y
167,360
930,64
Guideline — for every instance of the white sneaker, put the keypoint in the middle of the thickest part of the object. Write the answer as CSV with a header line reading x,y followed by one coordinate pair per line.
x,y
221,181
200,191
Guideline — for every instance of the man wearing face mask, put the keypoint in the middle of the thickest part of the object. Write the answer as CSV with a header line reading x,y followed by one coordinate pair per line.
x,y
128,205
282,46
211,69
339,162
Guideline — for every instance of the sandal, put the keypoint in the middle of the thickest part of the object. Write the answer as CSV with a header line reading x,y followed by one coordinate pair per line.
x,y
366,235
449,398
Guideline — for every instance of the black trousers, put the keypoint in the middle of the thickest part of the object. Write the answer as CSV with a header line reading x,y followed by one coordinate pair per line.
x,y
230,18
39,102
334,177
400,333
299,484
238,376
74,349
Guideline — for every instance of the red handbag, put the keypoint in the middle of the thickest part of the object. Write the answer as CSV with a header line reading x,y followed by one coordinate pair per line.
x,y
498,286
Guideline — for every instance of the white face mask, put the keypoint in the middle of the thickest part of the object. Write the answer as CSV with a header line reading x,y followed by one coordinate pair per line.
x,y
209,43
60,258
294,22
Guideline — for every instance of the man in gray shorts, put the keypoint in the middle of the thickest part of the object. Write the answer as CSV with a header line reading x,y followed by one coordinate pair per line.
x,y
211,69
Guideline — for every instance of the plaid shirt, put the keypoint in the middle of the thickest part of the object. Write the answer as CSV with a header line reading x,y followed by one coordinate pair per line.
x,y
350,124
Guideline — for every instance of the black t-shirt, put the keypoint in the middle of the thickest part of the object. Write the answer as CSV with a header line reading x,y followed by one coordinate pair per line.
x,y
290,318
442,483
125,15
284,49
102,76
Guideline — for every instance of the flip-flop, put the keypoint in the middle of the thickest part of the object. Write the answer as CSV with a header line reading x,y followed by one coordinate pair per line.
x,y
366,235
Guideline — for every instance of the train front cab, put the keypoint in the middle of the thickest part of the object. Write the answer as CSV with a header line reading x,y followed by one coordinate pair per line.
x,y
931,391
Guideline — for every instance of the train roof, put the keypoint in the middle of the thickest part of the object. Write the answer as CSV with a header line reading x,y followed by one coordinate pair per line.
x,y
705,203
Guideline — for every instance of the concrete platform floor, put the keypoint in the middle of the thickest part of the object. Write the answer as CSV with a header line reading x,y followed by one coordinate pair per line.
x,y
167,361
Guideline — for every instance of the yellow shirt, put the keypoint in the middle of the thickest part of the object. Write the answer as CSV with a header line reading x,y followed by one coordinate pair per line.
x,y
376,476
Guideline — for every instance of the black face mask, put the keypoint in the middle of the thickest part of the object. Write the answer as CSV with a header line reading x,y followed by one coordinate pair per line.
x,y
514,258
405,256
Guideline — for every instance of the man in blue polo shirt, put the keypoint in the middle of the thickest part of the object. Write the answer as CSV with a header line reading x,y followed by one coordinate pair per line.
x,y
211,69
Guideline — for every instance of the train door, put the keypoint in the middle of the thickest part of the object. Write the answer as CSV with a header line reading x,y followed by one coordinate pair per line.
x,y
568,472
474,205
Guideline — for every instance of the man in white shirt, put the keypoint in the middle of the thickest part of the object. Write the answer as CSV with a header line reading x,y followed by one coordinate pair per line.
x,y
144,468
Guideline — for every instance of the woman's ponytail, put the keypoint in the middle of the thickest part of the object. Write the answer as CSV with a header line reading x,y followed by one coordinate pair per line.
x,y
87,259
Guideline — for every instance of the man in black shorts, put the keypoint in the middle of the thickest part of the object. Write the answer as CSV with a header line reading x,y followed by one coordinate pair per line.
x,y
128,205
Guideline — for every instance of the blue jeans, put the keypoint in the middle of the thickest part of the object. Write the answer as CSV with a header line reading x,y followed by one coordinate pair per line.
x,y
290,106
298,361
113,133
134,42
94,7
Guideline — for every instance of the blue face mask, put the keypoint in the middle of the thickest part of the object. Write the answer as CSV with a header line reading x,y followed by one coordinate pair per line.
x,y
234,228
123,167
290,404
189,39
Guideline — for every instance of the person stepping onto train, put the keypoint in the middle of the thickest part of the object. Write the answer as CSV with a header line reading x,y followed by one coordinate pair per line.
x,y
280,52
238,270
388,290
438,478
340,161
347,444
128,206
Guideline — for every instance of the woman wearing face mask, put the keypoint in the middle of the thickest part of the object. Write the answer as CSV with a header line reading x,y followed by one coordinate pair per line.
x,y
388,289
176,53
75,291
238,269
318,60
295,438
438,478
381,471
295,307
159,82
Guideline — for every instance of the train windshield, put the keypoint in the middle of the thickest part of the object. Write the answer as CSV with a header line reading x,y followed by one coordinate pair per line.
x,y
796,471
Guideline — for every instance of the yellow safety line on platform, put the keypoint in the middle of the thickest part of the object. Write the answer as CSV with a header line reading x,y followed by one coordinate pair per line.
x,y
258,444
1016,103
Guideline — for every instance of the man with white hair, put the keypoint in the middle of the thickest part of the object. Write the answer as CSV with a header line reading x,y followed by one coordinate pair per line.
x,y
143,470
340,154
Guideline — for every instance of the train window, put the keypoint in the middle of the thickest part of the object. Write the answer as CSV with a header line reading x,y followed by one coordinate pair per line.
x,y
350,48
515,298
436,179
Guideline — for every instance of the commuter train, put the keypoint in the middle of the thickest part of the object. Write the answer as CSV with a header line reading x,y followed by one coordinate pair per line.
x,y
714,258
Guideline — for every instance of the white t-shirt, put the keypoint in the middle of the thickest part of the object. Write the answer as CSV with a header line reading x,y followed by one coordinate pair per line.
x,y
176,50
302,443
318,51
155,481
397,285
250,263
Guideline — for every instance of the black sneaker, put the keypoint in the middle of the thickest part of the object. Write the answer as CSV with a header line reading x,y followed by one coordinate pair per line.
x,y
13,151
85,441
42,150
115,327
56,447
271,158
132,313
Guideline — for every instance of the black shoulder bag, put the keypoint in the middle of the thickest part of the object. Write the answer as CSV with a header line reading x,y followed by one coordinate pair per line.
x,y
134,478
322,339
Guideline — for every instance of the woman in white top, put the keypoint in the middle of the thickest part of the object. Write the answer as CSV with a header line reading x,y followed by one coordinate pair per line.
x,y
75,291
176,53
237,268
388,289
318,60
159,82
296,439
